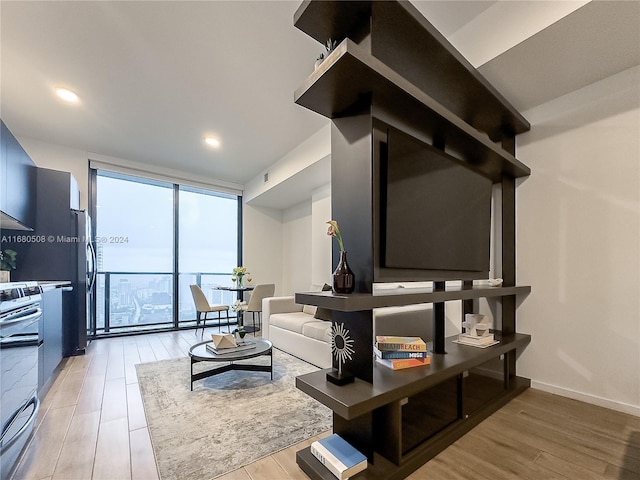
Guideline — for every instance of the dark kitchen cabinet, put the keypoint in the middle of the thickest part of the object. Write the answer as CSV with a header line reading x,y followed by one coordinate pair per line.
x,y
17,200
51,328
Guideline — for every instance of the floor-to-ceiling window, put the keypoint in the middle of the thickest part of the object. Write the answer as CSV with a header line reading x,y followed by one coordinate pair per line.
x,y
153,239
207,246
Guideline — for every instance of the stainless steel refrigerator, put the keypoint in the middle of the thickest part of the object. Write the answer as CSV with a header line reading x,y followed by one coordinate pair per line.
x,y
61,248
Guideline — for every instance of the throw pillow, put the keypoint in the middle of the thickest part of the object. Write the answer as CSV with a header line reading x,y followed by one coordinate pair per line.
x,y
311,309
323,313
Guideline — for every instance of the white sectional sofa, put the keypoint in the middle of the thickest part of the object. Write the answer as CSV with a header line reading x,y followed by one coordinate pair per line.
x,y
296,331
292,327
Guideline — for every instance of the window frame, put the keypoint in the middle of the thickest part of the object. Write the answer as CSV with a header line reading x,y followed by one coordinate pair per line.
x,y
175,274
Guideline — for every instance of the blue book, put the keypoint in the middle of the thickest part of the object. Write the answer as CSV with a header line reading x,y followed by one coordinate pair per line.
x,y
342,459
389,355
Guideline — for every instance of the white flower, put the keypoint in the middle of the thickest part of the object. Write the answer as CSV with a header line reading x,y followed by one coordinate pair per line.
x,y
238,305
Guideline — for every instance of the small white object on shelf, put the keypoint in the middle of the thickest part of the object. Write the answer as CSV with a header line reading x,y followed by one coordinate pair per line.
x,y
491,282
481,341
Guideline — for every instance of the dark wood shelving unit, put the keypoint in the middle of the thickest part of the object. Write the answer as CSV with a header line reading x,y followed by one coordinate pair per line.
x,y
393,68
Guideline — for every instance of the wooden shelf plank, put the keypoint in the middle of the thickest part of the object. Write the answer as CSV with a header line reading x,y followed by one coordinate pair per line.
x,y
349,75
487,109
354,302
360,397
335,20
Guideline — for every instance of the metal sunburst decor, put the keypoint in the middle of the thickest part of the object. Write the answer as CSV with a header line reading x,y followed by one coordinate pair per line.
x,y
342,348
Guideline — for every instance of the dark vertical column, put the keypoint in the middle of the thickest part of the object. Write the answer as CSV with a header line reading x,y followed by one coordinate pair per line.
x,y
176,255
471,305
351,194
358,432
352,208
438,321
360,327
509,259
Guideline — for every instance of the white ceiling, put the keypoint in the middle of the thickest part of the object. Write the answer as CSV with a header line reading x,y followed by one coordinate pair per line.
x,y
156,77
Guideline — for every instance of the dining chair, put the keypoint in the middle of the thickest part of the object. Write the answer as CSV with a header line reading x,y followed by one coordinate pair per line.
x,y
254,306
203,307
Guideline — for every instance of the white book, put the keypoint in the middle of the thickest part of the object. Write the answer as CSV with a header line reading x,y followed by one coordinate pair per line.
x,y
475,339
338,456
325,459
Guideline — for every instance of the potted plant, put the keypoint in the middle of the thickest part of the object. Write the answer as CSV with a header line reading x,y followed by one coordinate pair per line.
x,y
238,307
239,332
7,263
329,47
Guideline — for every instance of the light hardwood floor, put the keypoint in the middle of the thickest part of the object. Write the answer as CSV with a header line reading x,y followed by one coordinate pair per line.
x,y
92,426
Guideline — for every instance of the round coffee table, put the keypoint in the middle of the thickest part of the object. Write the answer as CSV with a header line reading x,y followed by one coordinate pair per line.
x,y
200,353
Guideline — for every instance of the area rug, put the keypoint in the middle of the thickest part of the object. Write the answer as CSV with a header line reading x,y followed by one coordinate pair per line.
x,y
229,420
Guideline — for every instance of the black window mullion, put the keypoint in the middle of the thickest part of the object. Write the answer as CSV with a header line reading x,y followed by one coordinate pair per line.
x,y
176,259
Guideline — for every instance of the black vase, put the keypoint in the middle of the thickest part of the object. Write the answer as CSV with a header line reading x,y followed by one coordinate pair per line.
x,y
343,281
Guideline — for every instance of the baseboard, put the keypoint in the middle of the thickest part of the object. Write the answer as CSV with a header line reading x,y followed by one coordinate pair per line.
x,y
584,397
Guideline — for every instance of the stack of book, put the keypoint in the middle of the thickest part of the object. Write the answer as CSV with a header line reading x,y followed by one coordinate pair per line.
x,y
482,341
338,456
401,352
245,345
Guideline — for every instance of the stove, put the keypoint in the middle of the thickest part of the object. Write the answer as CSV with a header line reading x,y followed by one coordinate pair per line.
x,y
20,314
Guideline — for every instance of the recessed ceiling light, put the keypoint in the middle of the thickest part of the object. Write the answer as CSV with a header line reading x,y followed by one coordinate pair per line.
x,y
67,95
213,142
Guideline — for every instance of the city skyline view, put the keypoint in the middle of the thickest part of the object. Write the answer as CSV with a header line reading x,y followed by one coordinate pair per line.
x,y
136,251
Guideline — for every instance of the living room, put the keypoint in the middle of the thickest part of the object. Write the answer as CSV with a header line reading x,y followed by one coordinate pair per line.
x,y
578,225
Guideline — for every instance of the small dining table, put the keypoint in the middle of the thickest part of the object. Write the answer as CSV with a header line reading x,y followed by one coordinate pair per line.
x,y
240,313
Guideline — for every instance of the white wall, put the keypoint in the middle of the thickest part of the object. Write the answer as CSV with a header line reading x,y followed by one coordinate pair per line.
x,y
578,230
296,248
314,148
321,267
262,245
306,248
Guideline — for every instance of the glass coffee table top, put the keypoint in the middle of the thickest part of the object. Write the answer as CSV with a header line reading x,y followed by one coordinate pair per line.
x,y
200,352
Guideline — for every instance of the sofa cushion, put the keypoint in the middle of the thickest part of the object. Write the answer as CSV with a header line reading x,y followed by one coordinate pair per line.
x,y
318,330
293,321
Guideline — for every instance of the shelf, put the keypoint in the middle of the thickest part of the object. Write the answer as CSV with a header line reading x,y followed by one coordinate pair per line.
x,y
349,74
337,20
383,469
354,302
478,102
360,397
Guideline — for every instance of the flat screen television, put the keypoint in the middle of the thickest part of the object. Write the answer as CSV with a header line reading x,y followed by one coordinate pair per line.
x,y
433,213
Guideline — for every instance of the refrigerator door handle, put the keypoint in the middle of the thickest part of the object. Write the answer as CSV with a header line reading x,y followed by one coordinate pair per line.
x,y
94,274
